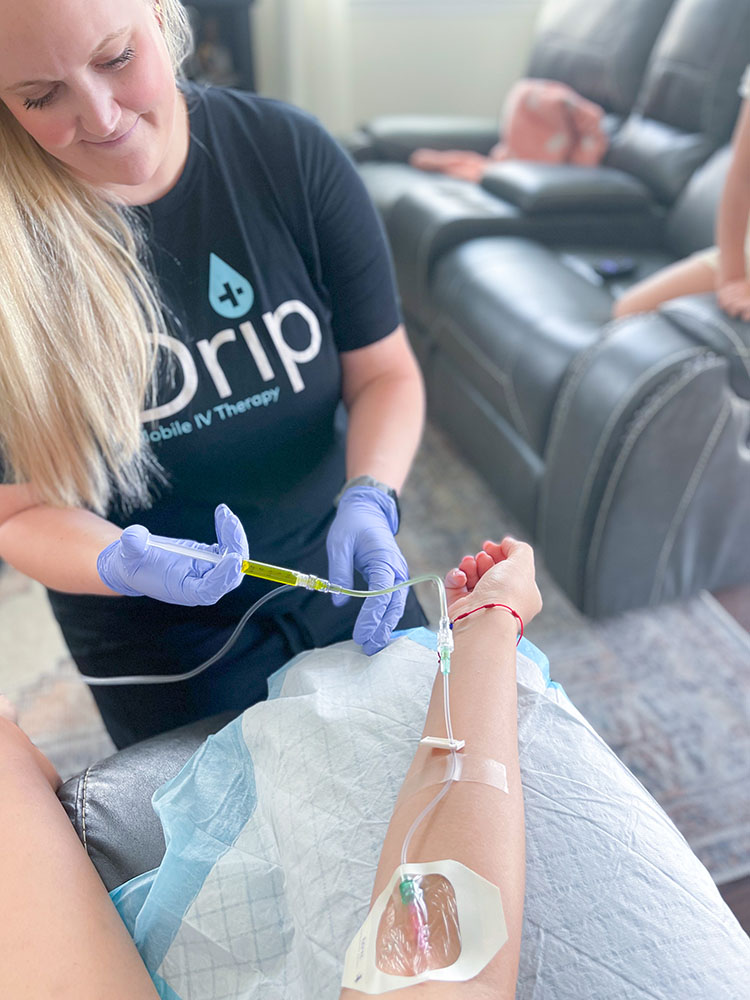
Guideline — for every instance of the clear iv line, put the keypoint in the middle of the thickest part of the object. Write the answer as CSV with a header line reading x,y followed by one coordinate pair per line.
x,y
291,578
288,578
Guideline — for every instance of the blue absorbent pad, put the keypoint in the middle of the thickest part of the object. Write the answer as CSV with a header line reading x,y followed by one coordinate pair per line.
x,y
274,829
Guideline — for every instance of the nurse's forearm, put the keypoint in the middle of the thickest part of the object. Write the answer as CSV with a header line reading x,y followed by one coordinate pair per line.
x,y
58,547
477,825
385,427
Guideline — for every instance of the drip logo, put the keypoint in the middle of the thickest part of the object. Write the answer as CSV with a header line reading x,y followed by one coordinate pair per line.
x,y
229,293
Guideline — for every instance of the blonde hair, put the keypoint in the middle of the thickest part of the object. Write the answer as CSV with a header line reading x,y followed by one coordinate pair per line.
x,y
79,325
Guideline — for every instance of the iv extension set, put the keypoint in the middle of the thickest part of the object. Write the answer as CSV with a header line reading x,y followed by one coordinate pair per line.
x,y
434,921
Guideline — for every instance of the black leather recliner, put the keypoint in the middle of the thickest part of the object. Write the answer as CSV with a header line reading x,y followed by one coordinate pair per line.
x,y
621,447
599,49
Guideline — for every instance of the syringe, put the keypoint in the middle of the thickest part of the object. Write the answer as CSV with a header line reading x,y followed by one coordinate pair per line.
x,y
251,567
293,578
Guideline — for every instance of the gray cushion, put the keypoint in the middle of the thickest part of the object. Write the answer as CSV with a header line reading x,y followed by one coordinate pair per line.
x,y
692,222
598,47
688,102
518,316
109,804
538,188
395,137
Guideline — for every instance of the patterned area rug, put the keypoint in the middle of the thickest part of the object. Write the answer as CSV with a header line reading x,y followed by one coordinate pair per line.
x,y
668,689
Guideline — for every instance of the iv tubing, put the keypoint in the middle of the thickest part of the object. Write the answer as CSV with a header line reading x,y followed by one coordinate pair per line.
x,y
310,582
444,790
174,678
127,679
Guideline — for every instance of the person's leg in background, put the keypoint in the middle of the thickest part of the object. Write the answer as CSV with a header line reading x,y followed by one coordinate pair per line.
x,y
61,935
692,276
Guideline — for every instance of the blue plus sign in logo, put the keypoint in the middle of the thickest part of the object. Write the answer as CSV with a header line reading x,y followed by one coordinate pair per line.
x,y
229,293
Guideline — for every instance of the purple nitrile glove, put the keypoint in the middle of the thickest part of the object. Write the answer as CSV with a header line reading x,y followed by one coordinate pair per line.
x,y
132,567
361,538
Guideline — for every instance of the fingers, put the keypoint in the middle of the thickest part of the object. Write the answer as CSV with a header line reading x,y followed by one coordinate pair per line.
x,y
377,620
379,615
484,562
509,548
230,533
455,584
468,566
213,585
734,299
472,568
740,309
341,572
134,541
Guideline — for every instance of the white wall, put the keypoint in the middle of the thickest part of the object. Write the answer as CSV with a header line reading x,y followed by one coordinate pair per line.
x,y
447,61
347,62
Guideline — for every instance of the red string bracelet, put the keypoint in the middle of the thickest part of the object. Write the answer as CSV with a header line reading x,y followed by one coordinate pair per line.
x,y
483,606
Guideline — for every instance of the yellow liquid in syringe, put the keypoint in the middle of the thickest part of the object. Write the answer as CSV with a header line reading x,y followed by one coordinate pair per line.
x,y
278,574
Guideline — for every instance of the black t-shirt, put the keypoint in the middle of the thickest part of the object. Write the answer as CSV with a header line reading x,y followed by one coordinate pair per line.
x,y
271,260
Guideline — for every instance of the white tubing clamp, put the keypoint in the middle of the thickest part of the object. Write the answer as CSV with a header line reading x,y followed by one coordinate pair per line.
x,y
441,743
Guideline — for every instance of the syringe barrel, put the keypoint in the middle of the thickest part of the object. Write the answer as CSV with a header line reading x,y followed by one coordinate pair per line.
x,y
266,571
205,555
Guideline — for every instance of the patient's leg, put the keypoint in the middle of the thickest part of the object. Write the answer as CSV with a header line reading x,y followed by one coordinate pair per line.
x,y
60,934
691,276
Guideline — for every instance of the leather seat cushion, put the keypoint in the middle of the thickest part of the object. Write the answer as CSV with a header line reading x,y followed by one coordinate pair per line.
x,y
109,804
511,316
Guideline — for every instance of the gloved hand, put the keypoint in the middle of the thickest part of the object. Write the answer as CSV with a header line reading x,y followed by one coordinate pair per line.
x,y
361,538
133,568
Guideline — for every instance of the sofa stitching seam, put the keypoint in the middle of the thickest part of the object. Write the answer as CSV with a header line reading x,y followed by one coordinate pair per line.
x,y
505,379
657,404
722,327
574,375
604,437
689,492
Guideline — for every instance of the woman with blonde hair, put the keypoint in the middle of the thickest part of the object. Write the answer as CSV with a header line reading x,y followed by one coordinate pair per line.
x,y
192,280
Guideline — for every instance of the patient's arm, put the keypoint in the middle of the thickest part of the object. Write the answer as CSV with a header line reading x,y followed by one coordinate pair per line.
x,y
476,824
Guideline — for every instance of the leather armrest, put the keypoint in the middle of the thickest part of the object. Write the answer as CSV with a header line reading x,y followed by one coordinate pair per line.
x,y
539,188
701,318
640,464
109,804
395,137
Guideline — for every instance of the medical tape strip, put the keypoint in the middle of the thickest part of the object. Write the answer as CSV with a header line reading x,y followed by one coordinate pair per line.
x,y
439,769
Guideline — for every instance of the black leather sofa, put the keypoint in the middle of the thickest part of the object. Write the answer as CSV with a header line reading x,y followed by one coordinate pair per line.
x,y
621,447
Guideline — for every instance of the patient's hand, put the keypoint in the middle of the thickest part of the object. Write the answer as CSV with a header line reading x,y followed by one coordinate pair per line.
x,y
734,298
502,573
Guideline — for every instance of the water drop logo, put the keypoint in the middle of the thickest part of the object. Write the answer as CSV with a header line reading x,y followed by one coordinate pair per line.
x,y
229,293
